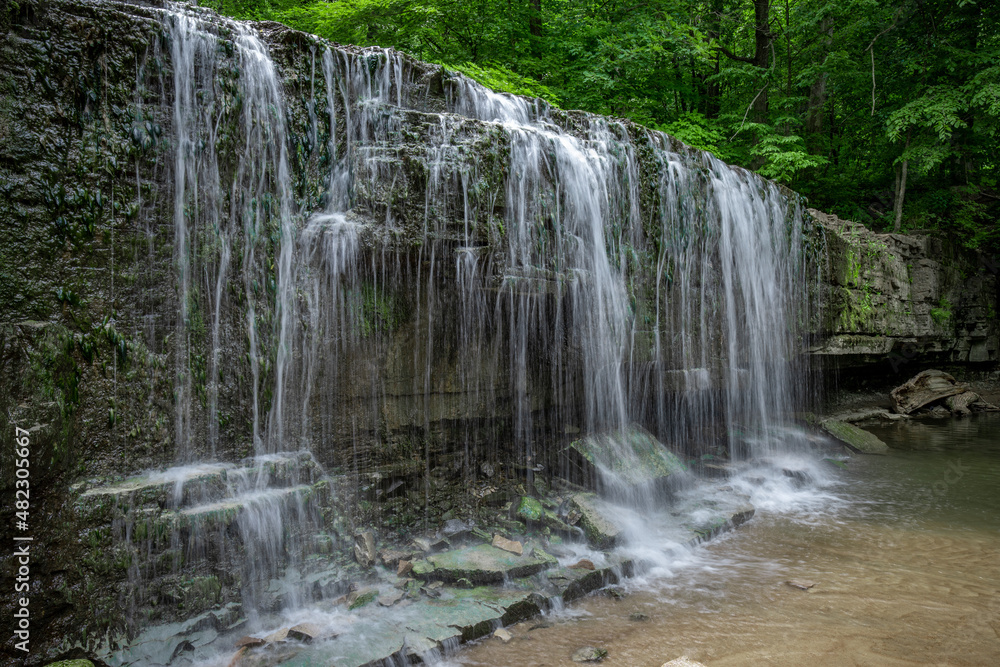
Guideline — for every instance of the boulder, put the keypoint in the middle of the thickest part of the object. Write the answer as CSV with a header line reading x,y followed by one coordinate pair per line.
x,y
856,438
305,632
455,529
389,599
364,548
529,510
620,463
431,543
250,642
683,661
358,599
924,388
391,557
601,531
277,636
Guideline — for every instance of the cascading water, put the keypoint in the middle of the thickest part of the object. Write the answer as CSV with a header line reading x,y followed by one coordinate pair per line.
x,y
269,502
478,280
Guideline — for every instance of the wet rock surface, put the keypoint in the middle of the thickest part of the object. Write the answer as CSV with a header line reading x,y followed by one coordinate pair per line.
x,y
601,532
894,303
463,592
479,564
854,437
633,458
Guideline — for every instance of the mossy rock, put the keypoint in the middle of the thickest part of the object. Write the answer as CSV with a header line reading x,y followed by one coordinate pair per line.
x,y
628,459
856,438
530,509
480,564
363,599
601,531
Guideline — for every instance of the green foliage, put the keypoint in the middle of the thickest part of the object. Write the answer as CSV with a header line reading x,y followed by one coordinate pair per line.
x,y
696,130
783,156
503,80
832,99
942,313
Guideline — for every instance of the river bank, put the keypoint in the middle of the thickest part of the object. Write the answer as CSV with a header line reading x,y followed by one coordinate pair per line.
x,y
901,549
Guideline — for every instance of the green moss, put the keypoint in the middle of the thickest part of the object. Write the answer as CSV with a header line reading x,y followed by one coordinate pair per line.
x,y
942,313
377,311
363,599
530,509
854,437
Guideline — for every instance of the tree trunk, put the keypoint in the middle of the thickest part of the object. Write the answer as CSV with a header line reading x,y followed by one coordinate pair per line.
x,y
762,45
817,92
535,19
761,54
899,198
713,91
901,190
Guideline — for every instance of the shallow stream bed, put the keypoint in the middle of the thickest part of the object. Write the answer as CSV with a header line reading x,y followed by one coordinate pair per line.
x,y
904,551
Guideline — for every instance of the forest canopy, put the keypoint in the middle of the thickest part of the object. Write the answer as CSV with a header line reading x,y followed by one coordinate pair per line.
x,y
884,113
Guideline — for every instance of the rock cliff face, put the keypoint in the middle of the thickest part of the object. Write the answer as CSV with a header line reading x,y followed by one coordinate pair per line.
x,y
224,242
896,303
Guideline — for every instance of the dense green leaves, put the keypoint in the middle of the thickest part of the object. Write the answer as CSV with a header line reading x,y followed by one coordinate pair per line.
x,y
834,99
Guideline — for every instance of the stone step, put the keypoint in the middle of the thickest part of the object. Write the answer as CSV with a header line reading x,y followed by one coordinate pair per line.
x,y
197,484
210,532
227,510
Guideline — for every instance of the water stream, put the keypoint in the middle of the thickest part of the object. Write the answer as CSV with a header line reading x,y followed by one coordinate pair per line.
x,y
904,551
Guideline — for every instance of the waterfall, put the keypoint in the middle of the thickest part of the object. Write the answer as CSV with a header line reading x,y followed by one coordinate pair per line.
x,y
388,272
196,192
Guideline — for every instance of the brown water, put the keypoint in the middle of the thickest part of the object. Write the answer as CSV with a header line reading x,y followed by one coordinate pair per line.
x,y
904,551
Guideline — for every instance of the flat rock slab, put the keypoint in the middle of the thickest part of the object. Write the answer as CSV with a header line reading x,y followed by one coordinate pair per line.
x,y
575,583
725,521
623,460
856,438
924,388
421,627
479,564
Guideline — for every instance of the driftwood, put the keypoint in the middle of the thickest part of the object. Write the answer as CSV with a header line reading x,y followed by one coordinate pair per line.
x,y
959,403
924,388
